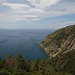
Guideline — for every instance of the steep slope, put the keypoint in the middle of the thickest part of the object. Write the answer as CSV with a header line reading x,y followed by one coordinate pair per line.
x,y
61,41
64,62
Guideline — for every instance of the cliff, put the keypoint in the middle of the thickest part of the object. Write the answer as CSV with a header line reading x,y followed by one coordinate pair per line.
x,y
61,41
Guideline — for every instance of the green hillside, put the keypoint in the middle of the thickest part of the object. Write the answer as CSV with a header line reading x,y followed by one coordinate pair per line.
x,y
61,41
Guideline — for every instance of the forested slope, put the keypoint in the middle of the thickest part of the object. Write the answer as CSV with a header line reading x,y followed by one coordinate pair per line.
x,y
61,41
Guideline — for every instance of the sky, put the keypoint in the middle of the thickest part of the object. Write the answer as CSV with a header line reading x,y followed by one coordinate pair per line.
x,y
36,14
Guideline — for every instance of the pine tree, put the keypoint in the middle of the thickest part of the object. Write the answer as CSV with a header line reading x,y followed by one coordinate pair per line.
x,y
19,62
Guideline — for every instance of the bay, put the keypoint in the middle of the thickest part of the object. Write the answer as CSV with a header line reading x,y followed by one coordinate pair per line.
x,y
24,42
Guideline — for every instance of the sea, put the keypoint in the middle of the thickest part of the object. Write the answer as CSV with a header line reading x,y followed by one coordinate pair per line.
x,y
24,42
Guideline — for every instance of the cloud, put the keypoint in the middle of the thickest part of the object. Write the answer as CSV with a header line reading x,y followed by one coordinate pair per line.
x,y
34,9
16,6
15,14
61,25
43,3
18,17
68,23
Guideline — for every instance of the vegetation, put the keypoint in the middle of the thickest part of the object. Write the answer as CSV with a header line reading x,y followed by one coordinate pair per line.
x,y
60,45
61,41
59,65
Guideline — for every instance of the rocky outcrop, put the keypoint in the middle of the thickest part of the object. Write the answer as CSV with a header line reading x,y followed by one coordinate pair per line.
x,y
61,41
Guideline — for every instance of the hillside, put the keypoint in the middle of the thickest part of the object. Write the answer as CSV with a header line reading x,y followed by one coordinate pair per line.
x,y
61,41
59,65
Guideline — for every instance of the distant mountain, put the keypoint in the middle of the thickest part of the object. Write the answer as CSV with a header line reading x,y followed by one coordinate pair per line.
x,y
60,42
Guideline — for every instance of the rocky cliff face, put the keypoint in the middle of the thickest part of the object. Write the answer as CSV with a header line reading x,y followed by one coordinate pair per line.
x,y
61,41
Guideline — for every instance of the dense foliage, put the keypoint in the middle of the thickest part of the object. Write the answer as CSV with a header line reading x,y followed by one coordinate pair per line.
x,y
59,65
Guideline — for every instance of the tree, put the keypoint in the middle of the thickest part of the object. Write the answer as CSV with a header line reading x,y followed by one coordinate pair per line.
x,y
35,64
27,65
19,62
10,61
1,63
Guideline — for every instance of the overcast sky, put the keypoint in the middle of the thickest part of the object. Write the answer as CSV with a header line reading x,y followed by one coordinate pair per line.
x,y
36,14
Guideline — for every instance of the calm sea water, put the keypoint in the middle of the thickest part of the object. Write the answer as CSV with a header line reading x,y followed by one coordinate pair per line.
x,y
25,42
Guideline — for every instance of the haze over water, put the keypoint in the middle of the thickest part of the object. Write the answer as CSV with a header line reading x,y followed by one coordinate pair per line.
x,y
25,42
